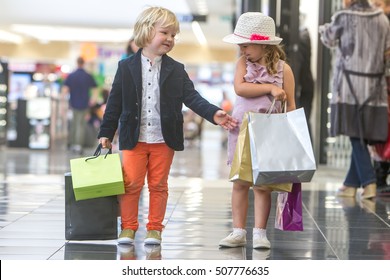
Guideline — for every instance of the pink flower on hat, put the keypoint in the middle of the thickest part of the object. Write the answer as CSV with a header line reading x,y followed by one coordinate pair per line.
x,y
258,37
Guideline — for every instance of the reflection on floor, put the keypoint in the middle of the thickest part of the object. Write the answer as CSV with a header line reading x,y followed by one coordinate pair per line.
x,y
198,214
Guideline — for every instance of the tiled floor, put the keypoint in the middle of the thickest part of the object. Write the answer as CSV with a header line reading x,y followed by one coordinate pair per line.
x,y
198,215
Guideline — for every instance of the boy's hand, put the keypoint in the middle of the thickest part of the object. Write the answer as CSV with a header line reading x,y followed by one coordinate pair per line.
x,y
106,143
225,120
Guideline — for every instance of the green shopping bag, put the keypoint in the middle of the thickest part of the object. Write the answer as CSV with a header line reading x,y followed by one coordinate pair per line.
x,y
97,176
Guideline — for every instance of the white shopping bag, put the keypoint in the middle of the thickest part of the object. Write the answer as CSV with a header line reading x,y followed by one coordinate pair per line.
x,y
281,149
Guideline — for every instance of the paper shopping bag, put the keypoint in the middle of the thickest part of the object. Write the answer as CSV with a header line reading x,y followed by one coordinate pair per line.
x,y
242,166
281,149
89,219
97,176
241,169
289,210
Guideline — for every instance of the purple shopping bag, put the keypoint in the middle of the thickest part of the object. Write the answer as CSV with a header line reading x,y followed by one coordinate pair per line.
x,y
289,209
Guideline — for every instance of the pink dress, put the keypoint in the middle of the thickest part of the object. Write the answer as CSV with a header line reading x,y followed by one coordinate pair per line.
x,y
256,73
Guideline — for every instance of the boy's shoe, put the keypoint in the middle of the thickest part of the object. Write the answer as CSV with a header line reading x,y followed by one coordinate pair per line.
x,y
233,240
153,237
126,236
261,241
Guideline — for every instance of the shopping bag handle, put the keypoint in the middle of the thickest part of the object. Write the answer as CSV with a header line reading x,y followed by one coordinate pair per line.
x,y
98,151
271,108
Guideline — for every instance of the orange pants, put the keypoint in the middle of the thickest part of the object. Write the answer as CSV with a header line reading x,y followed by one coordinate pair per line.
x,y
153,161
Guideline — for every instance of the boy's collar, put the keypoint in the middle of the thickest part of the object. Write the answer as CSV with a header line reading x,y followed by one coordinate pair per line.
x,y
153,61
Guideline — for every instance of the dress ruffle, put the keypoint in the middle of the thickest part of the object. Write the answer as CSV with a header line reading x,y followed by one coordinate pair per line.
x,y
257,73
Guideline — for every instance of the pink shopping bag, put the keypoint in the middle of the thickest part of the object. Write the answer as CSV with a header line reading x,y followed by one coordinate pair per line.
x,y
289,209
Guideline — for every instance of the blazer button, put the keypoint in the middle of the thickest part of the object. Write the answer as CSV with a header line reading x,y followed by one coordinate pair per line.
x,y
136,118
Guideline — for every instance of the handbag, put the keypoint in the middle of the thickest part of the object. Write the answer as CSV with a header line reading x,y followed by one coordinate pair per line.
x,y
383,149
241,169
281,149
289,209
90,219
97,176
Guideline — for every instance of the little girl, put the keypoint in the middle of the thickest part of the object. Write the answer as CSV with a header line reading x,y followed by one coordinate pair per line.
x,y
261,75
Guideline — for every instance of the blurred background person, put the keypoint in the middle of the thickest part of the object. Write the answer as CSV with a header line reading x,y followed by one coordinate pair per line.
x,y
303,76
360,34
131,47
82,90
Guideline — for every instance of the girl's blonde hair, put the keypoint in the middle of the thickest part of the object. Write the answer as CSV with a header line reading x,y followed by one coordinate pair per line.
x,y
272,55
146,21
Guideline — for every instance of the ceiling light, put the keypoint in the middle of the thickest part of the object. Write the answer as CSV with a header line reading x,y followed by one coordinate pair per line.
x,y
198,33
10,37
48,33
202,7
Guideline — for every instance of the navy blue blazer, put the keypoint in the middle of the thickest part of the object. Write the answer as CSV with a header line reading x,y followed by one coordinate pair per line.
x,y
124,103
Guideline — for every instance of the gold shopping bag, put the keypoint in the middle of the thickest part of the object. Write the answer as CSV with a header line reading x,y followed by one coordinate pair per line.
x,y
242,165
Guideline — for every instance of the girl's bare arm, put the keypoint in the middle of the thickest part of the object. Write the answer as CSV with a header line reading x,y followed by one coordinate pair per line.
x,y
289,87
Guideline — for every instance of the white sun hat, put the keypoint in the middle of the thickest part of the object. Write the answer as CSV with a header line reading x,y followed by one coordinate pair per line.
x,y
254,28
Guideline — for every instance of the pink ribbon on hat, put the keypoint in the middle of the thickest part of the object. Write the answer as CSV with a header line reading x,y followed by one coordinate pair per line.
x,y
255,37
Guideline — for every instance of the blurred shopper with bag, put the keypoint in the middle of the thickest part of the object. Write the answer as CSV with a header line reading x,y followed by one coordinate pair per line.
x,y
360,34
261,76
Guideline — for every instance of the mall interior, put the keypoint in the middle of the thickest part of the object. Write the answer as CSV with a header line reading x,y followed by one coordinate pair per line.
x,y
39,45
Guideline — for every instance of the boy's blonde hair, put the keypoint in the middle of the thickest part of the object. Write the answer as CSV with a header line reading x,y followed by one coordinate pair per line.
x,y
146,21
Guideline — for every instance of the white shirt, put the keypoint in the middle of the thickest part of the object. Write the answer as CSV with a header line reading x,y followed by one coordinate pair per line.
x,y
150,129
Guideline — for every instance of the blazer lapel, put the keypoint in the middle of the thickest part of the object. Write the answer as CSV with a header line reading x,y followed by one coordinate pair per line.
x,y
166,69
135,69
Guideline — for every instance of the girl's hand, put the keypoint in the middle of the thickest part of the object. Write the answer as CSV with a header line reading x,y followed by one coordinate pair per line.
x,y
106,143
225,120
278,93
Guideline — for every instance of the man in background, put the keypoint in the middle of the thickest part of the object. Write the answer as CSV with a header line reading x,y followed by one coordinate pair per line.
x,y
82,90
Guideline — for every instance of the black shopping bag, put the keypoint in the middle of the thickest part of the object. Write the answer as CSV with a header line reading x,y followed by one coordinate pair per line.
x,y
91,219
